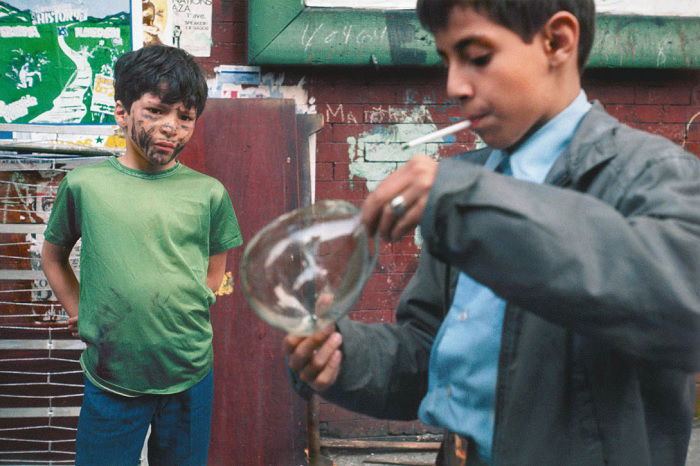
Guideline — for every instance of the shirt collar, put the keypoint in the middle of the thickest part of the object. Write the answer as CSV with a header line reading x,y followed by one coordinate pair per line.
x,y
535,157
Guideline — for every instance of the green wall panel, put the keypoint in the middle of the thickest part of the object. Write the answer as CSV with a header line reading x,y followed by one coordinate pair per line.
x,y
285,32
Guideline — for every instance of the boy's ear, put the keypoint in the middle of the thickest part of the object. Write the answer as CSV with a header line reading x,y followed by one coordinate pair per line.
x,y
561,36
120,114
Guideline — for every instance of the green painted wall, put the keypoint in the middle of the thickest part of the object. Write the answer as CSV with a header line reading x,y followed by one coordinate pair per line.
x,y
284,32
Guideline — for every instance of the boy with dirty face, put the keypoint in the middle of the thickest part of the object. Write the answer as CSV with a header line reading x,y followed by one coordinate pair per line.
x,y
554,318
154,240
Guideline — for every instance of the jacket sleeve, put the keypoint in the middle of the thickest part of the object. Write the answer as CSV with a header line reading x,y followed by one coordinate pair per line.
x,y
384,372
628,274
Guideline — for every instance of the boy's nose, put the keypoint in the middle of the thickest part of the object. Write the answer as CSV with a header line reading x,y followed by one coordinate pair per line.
x,y
459,85
168,127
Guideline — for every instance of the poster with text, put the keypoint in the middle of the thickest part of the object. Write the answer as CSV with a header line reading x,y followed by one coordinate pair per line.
x,y
185,24
58,59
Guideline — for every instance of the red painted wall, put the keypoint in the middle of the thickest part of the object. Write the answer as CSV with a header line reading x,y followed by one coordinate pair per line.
x,y
663,102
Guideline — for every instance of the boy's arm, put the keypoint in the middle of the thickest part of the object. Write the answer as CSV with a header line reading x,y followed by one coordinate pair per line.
x,y
54,261
216,270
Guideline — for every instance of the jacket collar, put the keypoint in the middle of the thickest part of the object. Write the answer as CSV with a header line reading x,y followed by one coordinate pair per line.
x,y
592,145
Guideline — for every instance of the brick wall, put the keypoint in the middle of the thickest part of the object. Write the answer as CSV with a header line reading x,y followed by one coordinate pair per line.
x,y
365,111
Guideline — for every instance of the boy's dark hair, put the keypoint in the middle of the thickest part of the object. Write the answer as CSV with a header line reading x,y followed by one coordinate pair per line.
x,y
524,17
168,72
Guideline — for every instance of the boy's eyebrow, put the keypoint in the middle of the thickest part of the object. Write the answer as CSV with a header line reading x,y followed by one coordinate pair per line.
x,y
469,41
179,106
151,101
473,40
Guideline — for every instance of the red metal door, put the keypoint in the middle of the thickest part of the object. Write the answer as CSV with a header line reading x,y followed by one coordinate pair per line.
x,y
251,146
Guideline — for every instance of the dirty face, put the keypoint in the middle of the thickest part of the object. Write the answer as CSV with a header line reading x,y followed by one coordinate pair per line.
x,y
155,132
503,84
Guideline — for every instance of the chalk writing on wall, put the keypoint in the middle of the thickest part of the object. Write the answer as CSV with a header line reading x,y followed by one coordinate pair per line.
x,y
348,36
623,7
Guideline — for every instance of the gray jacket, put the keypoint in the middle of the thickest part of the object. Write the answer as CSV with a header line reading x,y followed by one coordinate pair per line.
x,y
601,271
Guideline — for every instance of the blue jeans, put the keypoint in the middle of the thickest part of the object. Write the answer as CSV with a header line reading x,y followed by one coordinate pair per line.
x,y
112,428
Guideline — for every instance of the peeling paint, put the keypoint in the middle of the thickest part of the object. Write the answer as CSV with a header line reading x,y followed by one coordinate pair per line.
x,y
271,86
375,154
276,88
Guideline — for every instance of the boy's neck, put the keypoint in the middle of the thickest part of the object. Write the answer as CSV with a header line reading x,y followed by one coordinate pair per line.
x,y
567,96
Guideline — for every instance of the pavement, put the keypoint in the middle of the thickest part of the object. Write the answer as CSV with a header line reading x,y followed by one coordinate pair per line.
x,y
379,458
374,457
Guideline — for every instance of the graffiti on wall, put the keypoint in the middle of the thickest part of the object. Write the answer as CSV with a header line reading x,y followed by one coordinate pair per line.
x,y
639,7
59,59
347,35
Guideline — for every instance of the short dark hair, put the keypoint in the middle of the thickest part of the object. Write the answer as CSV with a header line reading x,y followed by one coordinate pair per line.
x,y
524,17
168,72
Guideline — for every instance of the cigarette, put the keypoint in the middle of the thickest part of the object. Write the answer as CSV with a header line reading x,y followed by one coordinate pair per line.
x,y
464,124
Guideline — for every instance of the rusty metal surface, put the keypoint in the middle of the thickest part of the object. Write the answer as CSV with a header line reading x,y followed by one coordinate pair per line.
x,y
251,147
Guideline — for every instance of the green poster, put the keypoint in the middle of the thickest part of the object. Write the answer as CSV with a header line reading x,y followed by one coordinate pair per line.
x,y
57,59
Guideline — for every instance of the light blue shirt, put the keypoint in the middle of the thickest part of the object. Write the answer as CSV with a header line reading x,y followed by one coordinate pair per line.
x,y
464,357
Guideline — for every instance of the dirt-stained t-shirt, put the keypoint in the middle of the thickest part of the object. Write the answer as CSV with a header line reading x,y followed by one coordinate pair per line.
x,y
146,242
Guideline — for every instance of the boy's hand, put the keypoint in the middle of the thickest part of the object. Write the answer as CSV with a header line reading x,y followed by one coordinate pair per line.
x,y
73,326
316,359
412,181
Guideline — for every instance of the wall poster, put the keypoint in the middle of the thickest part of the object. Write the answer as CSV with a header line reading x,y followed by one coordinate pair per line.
x,y
184,24
58,58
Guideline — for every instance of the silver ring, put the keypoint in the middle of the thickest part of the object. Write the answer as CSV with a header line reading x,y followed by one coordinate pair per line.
x,y
398,206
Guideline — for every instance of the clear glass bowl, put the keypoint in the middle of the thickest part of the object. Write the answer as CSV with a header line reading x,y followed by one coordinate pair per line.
x,y
308,267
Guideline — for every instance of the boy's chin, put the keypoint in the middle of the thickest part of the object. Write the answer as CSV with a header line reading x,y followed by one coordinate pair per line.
x,y
495,142
161,159
502,141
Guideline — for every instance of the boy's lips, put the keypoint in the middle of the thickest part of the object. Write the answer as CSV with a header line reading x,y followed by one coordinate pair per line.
x,y
166,146
476,120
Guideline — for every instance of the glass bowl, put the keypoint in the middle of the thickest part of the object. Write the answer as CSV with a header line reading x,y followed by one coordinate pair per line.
x,y
307,268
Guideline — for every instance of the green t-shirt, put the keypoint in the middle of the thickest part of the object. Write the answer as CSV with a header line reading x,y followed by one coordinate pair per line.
x,y
146,242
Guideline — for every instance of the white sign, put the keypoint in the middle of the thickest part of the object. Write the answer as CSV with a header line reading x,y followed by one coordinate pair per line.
x,y
185,24
618,7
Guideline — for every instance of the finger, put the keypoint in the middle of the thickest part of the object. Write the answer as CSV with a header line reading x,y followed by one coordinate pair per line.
x,y
424,171
370,213
393,226
72,325
409,220
305,349
374,206
386,222
323,354
413,182
290,342
329,374
405,224
324,302
320,359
